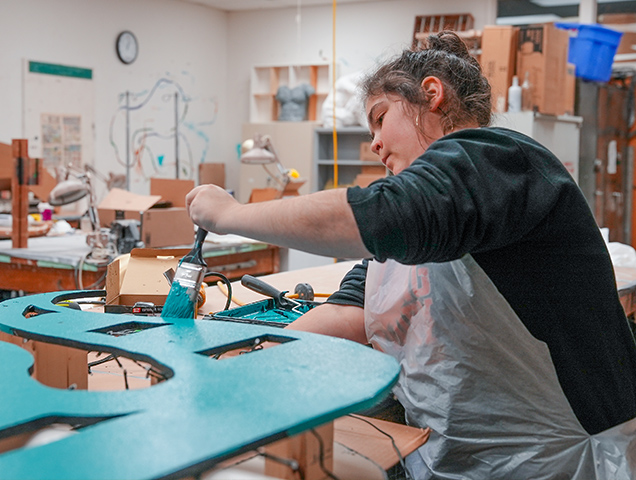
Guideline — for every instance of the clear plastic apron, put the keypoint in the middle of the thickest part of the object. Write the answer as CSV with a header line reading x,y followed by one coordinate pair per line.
x,y
472,372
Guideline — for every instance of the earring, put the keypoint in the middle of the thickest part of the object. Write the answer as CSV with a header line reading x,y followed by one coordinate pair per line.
x,y
417,120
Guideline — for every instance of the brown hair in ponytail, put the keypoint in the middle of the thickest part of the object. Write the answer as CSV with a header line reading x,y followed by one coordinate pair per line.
x,y
445,56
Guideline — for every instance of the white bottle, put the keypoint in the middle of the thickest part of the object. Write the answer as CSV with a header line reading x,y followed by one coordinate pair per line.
x,y
514,96
526,94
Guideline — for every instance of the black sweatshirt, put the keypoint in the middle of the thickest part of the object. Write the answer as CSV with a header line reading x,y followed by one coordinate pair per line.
x,y
509,202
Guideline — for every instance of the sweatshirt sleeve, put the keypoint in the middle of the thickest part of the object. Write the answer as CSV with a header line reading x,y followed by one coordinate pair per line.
x,y
351,291
472,191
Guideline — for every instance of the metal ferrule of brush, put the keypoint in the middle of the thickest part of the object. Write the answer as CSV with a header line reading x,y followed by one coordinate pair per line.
x,y
190,276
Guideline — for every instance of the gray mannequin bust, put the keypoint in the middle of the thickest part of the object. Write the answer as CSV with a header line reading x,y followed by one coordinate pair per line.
x,y
293,102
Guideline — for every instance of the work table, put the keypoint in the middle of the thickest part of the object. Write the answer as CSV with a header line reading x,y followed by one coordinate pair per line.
x,y
56,263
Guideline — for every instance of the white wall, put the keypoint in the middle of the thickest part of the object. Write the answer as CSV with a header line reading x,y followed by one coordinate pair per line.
x,y
203,53
365,33
182,46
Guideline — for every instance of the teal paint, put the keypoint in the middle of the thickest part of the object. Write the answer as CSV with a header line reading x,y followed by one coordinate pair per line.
x,y
263,312
160,160
60,70
208,410
178,303
186,284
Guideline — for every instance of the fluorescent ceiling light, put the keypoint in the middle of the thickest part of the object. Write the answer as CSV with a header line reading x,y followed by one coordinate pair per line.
x,y
561,3
528,19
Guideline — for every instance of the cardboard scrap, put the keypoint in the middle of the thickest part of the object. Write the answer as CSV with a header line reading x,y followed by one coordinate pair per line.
x,y
356,433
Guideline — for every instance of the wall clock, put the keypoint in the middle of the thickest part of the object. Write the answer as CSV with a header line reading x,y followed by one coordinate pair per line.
x,y
127,47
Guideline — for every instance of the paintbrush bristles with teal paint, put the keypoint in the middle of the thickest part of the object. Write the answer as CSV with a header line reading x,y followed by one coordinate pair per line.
x,y
182,298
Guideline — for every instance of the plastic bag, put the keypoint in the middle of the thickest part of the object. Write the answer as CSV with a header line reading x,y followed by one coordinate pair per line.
x,y
622,255
348,104
487,388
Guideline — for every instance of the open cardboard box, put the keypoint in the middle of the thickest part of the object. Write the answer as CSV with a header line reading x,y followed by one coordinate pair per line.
x,y
266,194
138,276
163,218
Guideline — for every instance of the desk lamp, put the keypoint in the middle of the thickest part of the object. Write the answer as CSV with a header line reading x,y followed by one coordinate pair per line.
x,y
75,186
260,151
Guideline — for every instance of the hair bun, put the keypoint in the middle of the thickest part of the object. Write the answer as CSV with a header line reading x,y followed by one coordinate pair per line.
x,y
467,98
449,42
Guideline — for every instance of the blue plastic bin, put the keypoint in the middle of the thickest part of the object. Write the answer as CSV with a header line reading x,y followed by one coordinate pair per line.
x,y
592,50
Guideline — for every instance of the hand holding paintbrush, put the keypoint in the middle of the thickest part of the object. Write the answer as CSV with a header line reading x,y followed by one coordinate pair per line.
x,y
182,298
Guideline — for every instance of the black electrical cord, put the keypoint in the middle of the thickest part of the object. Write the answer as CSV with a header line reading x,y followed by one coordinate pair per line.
x,y
395,447
288,462
244,458
385,476
99,362
151,372
227,283
321,458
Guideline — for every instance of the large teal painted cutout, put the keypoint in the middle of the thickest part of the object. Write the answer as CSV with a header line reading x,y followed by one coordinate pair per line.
x,y
207,411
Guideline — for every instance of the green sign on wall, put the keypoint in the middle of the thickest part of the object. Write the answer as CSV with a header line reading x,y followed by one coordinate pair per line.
x,y
61,70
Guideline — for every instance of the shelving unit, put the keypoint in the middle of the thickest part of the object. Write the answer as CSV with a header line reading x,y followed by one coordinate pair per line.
x,y
349,162
266,80
462,24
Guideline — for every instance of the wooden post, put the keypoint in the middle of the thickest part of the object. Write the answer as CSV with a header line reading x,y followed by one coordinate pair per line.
x,y
314,456
20,194
312,107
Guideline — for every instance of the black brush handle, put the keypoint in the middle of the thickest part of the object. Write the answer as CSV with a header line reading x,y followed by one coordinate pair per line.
x,y
259,286
196,254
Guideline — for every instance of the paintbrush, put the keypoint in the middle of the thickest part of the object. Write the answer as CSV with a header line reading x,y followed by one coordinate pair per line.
x,y
186,285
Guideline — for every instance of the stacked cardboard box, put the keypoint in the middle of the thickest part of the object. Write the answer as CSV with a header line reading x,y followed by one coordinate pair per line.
x,y
622,22
213,173
373,171
537,53
498,62
542,57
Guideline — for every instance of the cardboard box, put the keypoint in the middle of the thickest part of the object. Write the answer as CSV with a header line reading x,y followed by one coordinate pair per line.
x,y
138,276
617,18
378,170
171,191
364,179
166,227
626,48
212,173
569,94
266,194
498,62
366,154
122,204
160,227
542,55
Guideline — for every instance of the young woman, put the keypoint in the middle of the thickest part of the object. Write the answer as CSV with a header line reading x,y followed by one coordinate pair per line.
x,y
489,278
